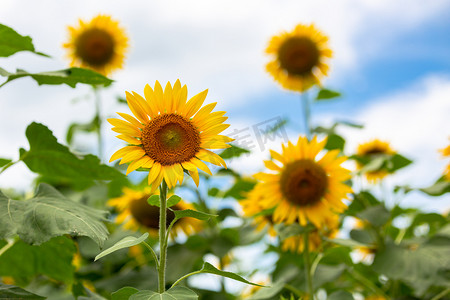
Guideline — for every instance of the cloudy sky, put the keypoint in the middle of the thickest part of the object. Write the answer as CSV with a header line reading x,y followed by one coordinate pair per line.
x,y
391,63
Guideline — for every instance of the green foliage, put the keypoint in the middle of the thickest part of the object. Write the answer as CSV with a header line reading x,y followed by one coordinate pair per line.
x,y
49,158
176,293
439,188
240,188
49,214
14,292
126,242
376,215
340,295
420,266
154,200
208,268
191,214
11,42
53,259
326,94
124,293
233,152
92,126
4,161
388,162
70,76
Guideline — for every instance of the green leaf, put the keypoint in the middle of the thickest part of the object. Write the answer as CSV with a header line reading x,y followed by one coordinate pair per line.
x,y
53,160
124,293
346,242
12,42
4,161
240,188
335,141
396,162
437,189
77,127
208,268
192,214
340,295
154,200
287,231
14,292
70,76
233,151
52,258
327,273
421,267
126,242
326,94
363,236
268,292
49,214
213,192
375,215
176,293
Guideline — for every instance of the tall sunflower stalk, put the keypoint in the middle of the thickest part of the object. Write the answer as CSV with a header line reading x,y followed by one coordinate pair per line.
x,y
299,63
168,136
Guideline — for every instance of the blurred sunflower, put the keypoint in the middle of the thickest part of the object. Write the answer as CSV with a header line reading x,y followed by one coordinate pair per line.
x,y
296,243
304,188
99,44
251,207
375,297
366,252
135,213
371,150
169,135
446,153
299,57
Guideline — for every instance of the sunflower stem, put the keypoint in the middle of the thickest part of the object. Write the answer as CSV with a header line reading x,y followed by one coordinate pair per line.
x,y
307,264
98,121
162,236
306,113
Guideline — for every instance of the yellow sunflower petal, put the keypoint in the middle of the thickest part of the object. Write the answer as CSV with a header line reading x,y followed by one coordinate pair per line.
x,y
211,157
194,104
123,151
137,164
130,140
136,109
136,154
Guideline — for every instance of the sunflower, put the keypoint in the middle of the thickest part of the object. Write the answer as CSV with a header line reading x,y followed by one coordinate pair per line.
x,y
296,243
169,135
99,45
304,188
135,213
299,57
366,252
375,297
252,207
371,150
446,153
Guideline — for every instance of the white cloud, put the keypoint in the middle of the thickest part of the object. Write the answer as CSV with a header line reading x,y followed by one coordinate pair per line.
x,y
415,121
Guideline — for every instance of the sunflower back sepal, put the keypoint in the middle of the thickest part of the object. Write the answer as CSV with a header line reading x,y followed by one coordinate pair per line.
x,y
155,201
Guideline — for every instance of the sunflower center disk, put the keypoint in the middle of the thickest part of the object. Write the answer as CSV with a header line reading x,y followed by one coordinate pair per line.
x,y
95,46
298,55
303,182
148,215
374,151
170,139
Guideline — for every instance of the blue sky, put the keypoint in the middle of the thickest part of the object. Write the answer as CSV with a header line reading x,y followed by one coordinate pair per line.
x,y
391,63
